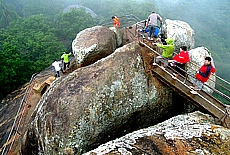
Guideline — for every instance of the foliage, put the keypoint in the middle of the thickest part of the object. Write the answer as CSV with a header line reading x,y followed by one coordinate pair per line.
x,y
6,14
35,39
68,24
39,36
49,8
29,46
14,70
105,9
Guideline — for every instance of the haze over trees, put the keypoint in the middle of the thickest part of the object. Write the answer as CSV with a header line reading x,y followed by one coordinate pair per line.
x,y
35,32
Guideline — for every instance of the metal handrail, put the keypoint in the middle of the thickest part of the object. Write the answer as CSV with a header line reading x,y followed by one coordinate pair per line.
x,y
25,97
132,19
215,90
139,24
14,123
211,73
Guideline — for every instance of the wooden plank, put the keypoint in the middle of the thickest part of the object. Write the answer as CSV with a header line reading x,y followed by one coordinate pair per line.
x,y
203,99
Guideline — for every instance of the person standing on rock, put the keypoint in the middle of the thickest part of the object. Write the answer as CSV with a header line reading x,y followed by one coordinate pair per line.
x,y
116,21
65,58
179,61
57,67
152,24
202,75
167,52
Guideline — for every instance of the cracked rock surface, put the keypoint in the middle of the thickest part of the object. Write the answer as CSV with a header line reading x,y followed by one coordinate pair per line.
x,y
194,133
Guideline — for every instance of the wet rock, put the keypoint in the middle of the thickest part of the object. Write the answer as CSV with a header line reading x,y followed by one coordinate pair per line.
x,y
98,102
93,44
197,57
194,133
181,32
119,35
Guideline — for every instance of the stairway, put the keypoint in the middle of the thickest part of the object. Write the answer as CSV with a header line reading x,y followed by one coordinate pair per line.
x,y
202,100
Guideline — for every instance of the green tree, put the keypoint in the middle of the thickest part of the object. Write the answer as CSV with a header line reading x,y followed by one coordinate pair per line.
x,y
107,8
14,70
47,7
35,38
69,24
29,46
6,14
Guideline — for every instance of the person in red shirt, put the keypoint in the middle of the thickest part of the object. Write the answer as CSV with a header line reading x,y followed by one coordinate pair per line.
x,y
116,21
202,75
179,61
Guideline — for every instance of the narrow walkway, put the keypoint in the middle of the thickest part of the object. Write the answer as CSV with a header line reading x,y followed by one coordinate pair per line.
x,y
202,100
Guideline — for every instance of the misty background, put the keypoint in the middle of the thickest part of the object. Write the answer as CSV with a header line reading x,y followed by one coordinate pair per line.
x,y
35,32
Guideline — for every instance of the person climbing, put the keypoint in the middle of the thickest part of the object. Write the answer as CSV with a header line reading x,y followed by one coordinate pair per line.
x,y
116,21
179,61
202,75
57,67
152,24
167,52
65,58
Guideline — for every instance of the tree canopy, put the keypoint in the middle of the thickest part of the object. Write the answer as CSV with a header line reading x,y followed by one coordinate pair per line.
x,y
35,32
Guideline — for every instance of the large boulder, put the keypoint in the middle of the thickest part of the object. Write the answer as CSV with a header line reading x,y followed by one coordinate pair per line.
x,y
93,44
194,133
197,57
96,103
181,32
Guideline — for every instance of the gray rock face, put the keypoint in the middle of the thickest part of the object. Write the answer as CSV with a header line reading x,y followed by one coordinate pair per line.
x,y
197,57
194,133
107,98
76,6
119,35
92,44
181,32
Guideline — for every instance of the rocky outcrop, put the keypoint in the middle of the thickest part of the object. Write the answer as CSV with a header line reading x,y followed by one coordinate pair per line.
x,y
119,35
194,133
93,44
95,103
181,32
197,57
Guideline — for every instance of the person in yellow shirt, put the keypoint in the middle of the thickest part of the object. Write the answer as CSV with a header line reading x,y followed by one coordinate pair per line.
x,y
65,59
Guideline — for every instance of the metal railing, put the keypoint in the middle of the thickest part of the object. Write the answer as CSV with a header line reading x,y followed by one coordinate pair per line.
x,y
15,127
17,122
130,20
224,86
126,21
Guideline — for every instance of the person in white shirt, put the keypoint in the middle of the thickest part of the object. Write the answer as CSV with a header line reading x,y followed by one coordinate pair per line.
x,y
57,67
